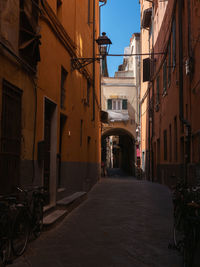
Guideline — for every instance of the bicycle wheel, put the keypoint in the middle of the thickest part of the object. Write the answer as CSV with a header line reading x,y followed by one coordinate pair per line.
x,y
196,256
37,219
5,251
178,231
5,246
20,233
189,247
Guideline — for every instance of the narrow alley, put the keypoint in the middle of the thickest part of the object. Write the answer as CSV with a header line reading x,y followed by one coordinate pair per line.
x,y
124,223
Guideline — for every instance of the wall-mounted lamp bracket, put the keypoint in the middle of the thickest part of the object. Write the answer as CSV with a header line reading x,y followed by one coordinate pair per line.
x,y
79,63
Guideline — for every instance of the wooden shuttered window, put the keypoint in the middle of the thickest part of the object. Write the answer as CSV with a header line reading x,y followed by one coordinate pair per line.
x,y
174,43
109,104
146,69
169,64
165,144
165,77
124,104
158,90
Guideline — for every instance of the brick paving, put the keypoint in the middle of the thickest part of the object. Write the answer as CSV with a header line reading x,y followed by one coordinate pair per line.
x,y
123,223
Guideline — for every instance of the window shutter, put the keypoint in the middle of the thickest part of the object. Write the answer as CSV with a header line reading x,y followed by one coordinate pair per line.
x,y
169,64
109,103
146,69
158,90
165,76
174,43
124,104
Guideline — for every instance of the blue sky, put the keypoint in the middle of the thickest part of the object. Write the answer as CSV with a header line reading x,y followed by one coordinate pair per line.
x,y
119,19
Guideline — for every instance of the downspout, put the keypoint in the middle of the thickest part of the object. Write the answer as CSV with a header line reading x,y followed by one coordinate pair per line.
x,y
34,133
93,67
100,77
99,34
181,100
152,109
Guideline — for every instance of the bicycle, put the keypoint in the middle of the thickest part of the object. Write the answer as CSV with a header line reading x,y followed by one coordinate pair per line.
x,y
5,230
180,200
191,234
10,227
29,219
186,222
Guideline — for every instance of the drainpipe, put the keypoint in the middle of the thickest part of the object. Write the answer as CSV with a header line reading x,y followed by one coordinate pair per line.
x,y
104,3
93,67
99,34
150,123
152,110
181,100
34,133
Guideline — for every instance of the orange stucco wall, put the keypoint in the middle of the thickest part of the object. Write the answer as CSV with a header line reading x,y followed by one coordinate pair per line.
x,y
53,56
65,33
166,167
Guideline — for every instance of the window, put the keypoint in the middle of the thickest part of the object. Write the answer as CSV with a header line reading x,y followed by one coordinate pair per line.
x,y
158,150
169,64
59,11
29,40
62,87
174,43
81,133
175,140
157,90
146,69
59,3
124,104
165,77
117,104
170,142
89,7
182,149
165,144
88,91
109,104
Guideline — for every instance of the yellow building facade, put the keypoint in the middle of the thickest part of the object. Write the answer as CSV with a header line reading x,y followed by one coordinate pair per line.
x,y
144,101
60,105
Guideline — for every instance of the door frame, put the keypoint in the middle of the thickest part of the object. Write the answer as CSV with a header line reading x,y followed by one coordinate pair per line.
x,y
53,151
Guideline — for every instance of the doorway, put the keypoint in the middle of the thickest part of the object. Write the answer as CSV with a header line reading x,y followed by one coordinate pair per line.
x,y
10,142
50,138
63,119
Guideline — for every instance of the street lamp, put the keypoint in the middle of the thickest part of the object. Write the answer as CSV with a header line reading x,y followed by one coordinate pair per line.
x,y
104,45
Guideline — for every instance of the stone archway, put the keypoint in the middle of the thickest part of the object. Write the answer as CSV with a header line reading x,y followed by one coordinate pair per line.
x,y
118,150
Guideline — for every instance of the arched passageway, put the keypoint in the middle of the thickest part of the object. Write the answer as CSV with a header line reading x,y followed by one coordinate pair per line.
x,y
118,150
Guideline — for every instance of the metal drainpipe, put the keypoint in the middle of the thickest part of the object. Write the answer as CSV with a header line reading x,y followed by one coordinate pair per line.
x,y
94,17
152,115
99,34
34,133
149,127
181,114
150,118
189,50
100,74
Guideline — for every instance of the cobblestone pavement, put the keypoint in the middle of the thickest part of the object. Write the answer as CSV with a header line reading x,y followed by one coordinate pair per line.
x,y
123,223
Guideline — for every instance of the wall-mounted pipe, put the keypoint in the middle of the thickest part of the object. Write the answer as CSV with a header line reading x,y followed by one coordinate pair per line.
x,y
181,97
93,67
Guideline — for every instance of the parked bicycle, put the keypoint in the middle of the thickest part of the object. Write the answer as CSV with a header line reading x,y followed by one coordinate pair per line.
x,y
11,228
32,205
186,221
20,216
5,230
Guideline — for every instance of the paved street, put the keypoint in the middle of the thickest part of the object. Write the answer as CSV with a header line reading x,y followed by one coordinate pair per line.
x,y
123,223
